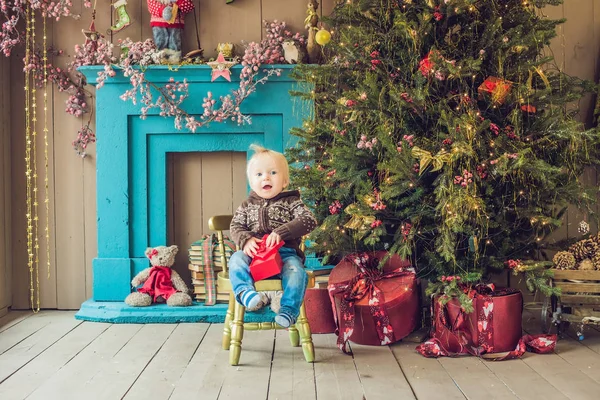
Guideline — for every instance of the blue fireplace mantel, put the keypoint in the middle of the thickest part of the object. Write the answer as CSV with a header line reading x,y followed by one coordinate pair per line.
x,y
132,163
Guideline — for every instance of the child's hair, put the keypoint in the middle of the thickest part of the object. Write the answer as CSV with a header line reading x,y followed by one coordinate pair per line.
x,y
261,151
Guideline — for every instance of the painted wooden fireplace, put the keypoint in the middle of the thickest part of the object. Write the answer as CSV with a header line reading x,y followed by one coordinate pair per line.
x,y
131,173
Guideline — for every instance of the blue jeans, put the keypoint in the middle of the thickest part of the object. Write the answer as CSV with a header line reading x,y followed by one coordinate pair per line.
x,y
167,38
293,278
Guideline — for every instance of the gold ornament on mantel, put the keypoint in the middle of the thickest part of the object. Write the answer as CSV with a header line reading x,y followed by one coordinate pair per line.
x,y
226,49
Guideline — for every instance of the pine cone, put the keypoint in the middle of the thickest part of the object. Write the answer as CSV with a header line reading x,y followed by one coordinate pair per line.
x,y
564,260
595,239
596,260
584,249
586,265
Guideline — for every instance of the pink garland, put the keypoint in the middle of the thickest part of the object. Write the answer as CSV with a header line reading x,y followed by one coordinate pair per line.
x,y
14,11
133,64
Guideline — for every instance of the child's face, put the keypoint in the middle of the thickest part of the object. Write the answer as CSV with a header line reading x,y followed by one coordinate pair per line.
x,y
266,177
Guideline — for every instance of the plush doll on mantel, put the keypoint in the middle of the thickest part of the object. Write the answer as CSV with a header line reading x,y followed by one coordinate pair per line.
x,y
161,283
167,22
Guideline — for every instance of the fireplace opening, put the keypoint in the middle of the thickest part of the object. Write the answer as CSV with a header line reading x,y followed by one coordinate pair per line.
x,y
200,185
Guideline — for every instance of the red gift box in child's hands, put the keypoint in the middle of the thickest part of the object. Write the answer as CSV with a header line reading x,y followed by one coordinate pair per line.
x,y
267,261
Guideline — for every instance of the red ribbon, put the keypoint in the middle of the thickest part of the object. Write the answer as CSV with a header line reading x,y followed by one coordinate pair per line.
x,y
153,253
541,344
158,283
490,85
363,284
265,252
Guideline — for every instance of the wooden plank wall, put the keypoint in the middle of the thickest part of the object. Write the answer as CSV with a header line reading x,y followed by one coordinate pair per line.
x,y
5,184
193,186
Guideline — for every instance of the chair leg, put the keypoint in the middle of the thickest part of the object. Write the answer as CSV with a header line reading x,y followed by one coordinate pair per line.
x,y
228,318
237,334
294,336
308,347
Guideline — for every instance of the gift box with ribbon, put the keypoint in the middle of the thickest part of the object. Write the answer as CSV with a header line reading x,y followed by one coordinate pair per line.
x,y
318,310
494,325
373,306
498,89
267,261
492,330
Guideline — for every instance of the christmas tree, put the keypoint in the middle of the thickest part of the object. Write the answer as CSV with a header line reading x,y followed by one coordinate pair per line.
x,y
443,134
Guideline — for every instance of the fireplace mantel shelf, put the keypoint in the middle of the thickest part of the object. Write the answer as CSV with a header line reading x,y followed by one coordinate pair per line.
x,y
192,73
131,171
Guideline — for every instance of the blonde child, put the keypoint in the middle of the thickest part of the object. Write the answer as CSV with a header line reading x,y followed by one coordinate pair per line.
x,y
269,210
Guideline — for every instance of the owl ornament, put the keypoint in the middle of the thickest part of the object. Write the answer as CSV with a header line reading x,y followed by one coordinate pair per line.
x,y
293,52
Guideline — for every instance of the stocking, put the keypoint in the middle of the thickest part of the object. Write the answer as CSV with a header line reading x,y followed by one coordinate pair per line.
x,y
123,19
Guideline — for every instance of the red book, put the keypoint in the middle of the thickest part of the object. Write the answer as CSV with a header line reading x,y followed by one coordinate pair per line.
x,y
267,261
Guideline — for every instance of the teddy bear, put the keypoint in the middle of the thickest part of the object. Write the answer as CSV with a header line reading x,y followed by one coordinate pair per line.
x,y
273,297
167,22
160,282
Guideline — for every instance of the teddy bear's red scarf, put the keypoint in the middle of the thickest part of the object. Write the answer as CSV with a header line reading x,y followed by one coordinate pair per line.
x,y
158,283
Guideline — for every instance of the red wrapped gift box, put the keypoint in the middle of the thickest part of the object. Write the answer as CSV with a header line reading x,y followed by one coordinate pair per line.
x,y
377,307
318,310
498,89
267,261
494,326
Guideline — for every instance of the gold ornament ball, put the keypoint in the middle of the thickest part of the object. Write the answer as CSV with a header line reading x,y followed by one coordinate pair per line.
x,y
323,37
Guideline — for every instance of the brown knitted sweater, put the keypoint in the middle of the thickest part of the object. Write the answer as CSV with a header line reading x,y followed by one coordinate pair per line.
x,y
284,214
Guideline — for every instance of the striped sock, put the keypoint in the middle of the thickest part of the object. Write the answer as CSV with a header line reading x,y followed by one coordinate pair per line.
x,y
250,299
284,319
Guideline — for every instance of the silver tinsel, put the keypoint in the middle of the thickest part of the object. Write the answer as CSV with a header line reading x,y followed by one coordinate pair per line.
x,y
583,228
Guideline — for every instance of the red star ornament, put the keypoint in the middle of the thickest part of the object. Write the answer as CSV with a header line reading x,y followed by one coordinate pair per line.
x,y
220,67
92,35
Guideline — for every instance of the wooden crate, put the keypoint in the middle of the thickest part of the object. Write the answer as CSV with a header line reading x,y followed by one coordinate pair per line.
x,y
580,292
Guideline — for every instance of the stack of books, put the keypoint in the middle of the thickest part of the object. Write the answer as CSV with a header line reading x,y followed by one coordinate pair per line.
x,y
317,271
198,260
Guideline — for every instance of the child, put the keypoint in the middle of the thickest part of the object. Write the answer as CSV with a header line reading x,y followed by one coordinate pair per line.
x,y
280,214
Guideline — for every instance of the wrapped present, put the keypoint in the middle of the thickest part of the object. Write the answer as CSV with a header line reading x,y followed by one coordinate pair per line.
x,y
267,261
498,89
373,306
318,310
493,326
492,330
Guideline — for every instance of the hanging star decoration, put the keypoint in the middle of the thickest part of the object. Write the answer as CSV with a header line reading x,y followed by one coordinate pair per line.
x,y
92,35
220,67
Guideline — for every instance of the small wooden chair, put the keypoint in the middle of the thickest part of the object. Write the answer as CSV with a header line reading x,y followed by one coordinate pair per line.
x,y
233,332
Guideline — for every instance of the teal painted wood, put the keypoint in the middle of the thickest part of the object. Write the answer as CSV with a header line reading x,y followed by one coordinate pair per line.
x,y
151,141
121,313
132,161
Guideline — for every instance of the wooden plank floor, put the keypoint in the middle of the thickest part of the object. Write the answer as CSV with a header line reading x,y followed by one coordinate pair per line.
x,y
50,355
